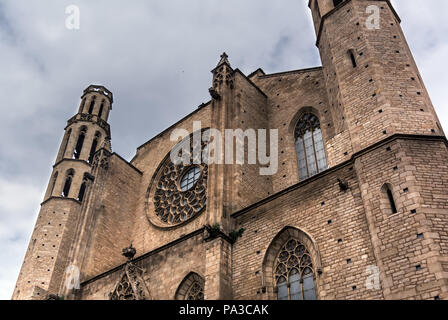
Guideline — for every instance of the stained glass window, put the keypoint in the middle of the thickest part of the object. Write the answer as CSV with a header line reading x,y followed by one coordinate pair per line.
x,y
310,146
190,178
196,292
191,288
294,275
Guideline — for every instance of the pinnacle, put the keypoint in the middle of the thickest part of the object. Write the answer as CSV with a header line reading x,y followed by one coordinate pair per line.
x,y
224,59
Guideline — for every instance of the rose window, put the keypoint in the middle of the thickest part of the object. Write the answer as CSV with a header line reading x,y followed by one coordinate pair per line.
x,y
177,193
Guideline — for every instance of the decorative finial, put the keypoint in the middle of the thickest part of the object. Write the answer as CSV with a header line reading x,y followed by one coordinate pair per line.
x,y
129,252
224,59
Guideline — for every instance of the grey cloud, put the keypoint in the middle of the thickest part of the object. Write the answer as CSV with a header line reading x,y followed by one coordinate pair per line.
x,y
156,57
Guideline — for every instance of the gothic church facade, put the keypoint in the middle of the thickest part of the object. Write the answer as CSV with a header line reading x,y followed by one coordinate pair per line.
x,y
358,208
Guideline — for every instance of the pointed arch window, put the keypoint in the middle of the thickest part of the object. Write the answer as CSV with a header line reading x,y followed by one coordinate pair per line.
x,y
92,104
80,143
82,189
310,146
100,113
53,184
66,140
392,206
68,183
83,103
294,273
94,146
196,292
191,288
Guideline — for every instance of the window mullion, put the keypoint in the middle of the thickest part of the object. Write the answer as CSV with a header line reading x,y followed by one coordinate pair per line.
x,y
306,157
315,151
289,290
301,289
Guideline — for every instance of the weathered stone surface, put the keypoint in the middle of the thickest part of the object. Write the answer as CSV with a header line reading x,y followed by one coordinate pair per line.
x,y
381,137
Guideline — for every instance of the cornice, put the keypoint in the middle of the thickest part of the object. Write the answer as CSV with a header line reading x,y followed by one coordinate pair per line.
x,y
146,255
60,198
338,167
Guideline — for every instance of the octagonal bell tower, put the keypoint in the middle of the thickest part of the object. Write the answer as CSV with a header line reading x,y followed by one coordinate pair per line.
x,y
383,116
46,258
374,87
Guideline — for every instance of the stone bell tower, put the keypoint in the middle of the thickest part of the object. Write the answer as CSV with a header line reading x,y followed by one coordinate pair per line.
x,y
383,114
374,87
46,258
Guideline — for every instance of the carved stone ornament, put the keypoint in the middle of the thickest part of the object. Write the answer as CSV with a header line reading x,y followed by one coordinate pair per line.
x,y
308,123
101,159
129,252
131,286
195,292
177,192
90,118
107,144
223,74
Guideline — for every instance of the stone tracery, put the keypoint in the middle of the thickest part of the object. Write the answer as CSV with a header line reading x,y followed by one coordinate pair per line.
x,y
191,288
196,292
131,286
294,272
173,204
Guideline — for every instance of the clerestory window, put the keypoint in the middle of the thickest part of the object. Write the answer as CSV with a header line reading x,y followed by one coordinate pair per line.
x,y
310,146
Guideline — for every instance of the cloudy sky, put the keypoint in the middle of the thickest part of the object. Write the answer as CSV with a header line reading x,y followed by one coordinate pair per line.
x,y
156,57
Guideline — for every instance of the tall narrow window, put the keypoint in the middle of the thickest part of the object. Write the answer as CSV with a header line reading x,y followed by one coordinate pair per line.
x,y
80,143
68,183
53,184
100,113
351,53
387,189
94,146
66,140
310,146
294,273
82,190
92,105
83,103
